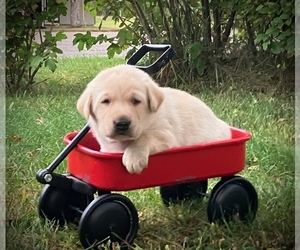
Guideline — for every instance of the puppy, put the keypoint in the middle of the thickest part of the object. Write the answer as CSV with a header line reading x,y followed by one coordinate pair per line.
x,y
128,112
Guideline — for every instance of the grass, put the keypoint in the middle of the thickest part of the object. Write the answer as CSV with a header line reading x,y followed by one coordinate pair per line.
x,y
107,24
37,121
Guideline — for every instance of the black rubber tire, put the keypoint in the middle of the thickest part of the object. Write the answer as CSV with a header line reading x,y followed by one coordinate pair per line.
x,y
110,217
174,194
62,205
232,197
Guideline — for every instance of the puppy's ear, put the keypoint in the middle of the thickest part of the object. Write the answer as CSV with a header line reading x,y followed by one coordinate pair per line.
x,y
84,103
155,97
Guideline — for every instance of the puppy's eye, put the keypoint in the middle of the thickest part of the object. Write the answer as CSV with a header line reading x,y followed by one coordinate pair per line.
x,y
105,101
135,101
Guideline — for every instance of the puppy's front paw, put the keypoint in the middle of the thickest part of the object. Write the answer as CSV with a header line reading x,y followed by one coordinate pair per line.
x,y
134,161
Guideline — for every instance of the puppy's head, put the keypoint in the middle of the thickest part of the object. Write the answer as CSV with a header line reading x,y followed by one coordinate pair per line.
x,y
120,102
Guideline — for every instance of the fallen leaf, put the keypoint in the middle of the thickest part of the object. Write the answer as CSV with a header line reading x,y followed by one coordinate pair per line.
x,y
253,167
15,138
33,152
40,121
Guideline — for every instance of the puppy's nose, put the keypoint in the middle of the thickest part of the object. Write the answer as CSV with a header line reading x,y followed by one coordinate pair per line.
x,y
122,125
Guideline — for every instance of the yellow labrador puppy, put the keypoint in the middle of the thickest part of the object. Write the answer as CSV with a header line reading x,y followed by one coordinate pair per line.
x,y
128,112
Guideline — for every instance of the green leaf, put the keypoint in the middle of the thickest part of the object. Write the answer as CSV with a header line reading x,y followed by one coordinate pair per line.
x,y
87,36
51,64
291,41
284,35
110,53
291,47
281,36
80,45
53,55
57,50
125,34
278,22
272,5
284,16
102,38
90,42
36,61
290,44
93,12
274,31
200,66
60,36
113,49
288,22
275,47
48,35
270,30
265,45
264,10
77,38
259,7
261,37
195,50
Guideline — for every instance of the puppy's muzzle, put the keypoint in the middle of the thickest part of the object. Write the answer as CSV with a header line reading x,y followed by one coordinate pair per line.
x,y
121,126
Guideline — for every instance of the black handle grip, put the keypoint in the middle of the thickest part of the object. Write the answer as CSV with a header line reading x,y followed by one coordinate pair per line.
x,y
165,57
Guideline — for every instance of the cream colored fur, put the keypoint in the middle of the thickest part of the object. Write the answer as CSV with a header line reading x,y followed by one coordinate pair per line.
x,y
160,118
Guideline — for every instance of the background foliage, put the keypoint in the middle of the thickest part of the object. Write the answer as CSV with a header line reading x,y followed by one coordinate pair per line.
x,y
206,35
214,40
28,48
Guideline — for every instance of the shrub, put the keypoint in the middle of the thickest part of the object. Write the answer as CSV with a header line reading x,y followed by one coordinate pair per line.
x,y
28,48
206,35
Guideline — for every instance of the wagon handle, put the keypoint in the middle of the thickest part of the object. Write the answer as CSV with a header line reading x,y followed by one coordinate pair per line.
x,y
166,56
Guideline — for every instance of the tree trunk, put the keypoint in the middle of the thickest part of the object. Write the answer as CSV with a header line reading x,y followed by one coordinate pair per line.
x,y
228,27
217,29
76,13
177,28
251,35
207,22
143,19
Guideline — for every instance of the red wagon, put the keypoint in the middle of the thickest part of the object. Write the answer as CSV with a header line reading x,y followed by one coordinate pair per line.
x,y
181,173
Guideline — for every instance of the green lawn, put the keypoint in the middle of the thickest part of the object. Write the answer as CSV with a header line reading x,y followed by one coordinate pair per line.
x,y
37,122
107,24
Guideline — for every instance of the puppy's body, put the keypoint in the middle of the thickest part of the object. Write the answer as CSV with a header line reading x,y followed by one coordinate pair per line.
x,y
129,113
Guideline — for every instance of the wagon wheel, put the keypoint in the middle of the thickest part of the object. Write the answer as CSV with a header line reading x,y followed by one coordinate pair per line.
x,y
232,197
110,217
179,192
62,205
